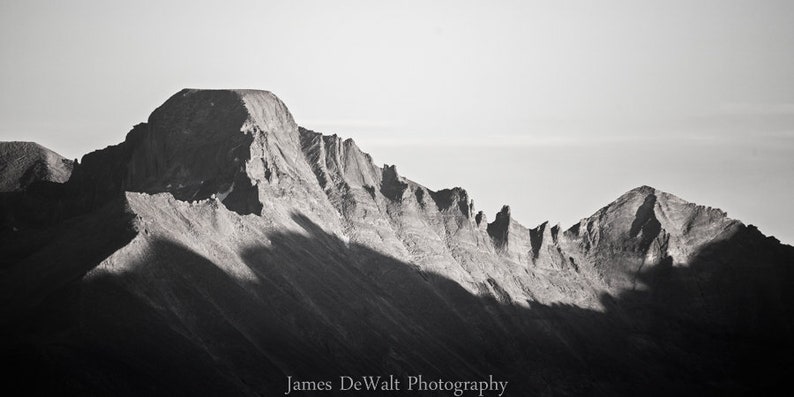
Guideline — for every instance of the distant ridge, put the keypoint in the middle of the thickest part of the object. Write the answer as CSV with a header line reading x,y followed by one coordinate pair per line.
x,y
22,163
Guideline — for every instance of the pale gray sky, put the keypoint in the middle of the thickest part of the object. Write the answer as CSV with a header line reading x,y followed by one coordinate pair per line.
x,y
553,107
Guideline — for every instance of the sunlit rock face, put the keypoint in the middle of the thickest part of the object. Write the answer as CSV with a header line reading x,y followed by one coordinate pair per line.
x,y
229,248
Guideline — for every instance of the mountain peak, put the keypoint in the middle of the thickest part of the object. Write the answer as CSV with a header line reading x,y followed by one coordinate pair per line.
x,y
200,143
265,109
649,193
644,189
645,216
499,229
242,92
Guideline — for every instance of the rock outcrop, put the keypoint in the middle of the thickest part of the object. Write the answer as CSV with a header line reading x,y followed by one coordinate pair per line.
x,y
228,247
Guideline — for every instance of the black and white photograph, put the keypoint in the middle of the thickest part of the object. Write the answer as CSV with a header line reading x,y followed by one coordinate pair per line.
x,y
396,198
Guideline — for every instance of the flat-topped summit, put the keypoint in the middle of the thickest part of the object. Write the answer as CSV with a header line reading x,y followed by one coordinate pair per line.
x,y
265,109
229,144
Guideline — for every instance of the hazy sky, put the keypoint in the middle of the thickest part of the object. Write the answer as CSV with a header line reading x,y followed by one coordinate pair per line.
x,y
553,107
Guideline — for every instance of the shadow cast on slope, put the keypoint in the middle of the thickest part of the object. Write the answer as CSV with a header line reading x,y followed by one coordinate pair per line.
x,y
313,307
727,319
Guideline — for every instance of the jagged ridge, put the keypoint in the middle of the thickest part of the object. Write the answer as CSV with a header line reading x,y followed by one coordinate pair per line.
x,y
253,246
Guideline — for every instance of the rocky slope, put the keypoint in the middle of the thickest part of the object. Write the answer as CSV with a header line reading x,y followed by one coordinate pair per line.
x,y
31,184
221,247
22,163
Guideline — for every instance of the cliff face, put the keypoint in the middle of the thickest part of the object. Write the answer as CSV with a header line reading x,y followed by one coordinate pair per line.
x,y
233,248
240,146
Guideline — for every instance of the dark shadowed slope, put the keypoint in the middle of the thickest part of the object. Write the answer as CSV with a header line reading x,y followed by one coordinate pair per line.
x,y
167,315
31,184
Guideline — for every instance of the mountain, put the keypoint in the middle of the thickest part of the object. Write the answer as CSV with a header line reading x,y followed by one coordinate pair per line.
x,y
221,248
22,163
30,178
